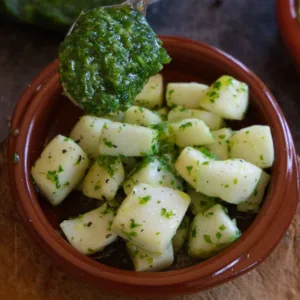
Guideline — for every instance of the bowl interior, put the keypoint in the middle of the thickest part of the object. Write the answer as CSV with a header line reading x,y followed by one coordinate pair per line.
x,y
62,115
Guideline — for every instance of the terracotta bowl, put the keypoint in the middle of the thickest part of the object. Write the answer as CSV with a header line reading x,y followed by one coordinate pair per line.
x,y
289,27
43,112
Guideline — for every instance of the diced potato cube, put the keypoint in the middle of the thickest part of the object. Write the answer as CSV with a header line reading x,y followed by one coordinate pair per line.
x,y
213,121
155,172
90,232
254,144
141,116
190,132
104,178
59,169
150,216
152,95
86,134
227,97
232,180
185,94
211,232
200,202
188,162
127,140
163,113
221,145
181,234
252,204
145,261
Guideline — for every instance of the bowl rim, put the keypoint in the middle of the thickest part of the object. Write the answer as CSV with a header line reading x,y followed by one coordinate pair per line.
x,y
289,27
243,255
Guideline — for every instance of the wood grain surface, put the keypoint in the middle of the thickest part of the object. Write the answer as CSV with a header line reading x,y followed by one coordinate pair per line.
x,y
28,274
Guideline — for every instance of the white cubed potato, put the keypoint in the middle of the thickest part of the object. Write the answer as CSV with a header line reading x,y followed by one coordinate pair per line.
x,y
155,172
152,95
221,145
90,232
227,97
104,178
127,140
252,204
185,94
188,162
232,180
181,234
117,117
254,144
145,261
211,232
190,132
150,216
200,202
213,121
163,113
86,134
59,169
141,116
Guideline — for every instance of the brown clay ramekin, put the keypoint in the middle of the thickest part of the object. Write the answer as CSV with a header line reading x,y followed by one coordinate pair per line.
x,y
289,27
42,112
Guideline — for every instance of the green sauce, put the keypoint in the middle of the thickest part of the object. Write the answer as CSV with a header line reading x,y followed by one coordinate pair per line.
x,y
108,58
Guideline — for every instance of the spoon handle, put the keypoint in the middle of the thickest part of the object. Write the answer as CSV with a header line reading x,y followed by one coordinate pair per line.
x,y
140,5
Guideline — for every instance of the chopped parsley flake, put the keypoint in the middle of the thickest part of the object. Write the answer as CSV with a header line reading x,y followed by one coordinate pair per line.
x,y
218,235
166,214
207,238
261,157
144,200
170,93
110,163
185,125
78,160
53,177
133,224
108,143
222,136
235,181
222,227
97,187
66,184
189,169
206,152
132,233
217,84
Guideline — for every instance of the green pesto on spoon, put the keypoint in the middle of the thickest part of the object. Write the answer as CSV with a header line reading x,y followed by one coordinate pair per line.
x,y
108,56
